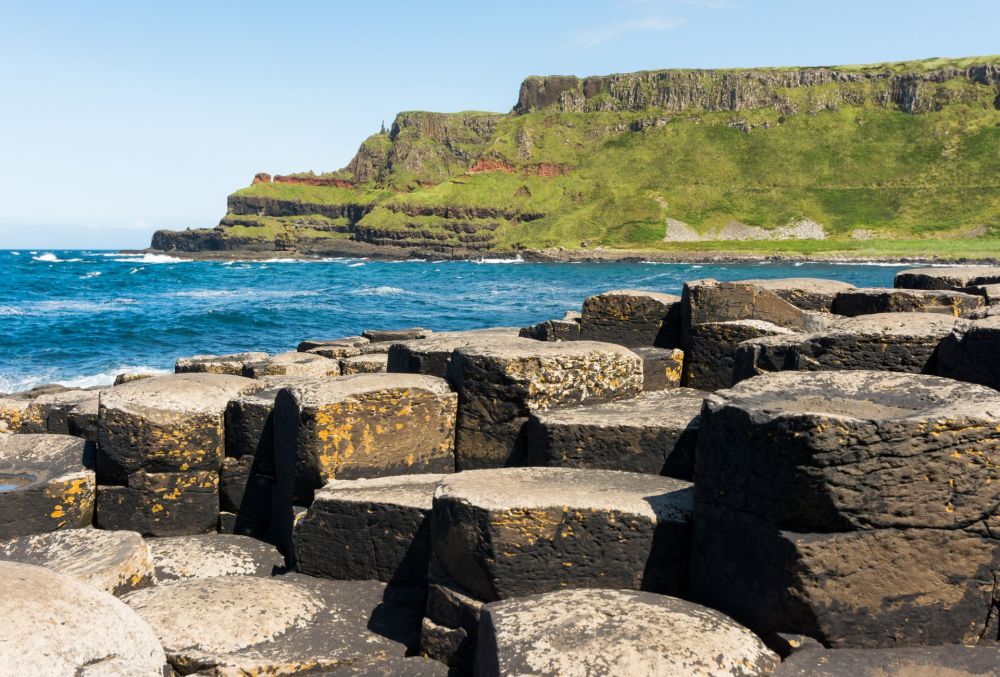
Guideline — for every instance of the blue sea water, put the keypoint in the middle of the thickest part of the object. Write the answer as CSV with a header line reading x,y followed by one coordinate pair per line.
x,y
80,317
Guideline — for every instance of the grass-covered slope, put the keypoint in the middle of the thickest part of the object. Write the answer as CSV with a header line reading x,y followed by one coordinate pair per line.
x,y
895,158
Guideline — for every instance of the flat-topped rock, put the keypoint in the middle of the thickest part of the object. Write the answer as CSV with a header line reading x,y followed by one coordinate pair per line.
x,y
365,425
807,293
632,318
44,412
409,334
869,301
946,278
614,632
113,561
903,342
254,625
971,352
911,661
710,357
369,529
499,385
208,555
370,363
46,483
128,377
81,420
431,356
514,531
989,292
343,342
292,363
161,504
824,451
553,330
58,625
655,432
709,300
661,367
217,364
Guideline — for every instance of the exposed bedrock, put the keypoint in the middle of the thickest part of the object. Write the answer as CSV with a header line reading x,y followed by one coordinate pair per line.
x,y
946,278
971,352
292,363
951,660
207,555
632,318
662,368
807,293
870,301
431,356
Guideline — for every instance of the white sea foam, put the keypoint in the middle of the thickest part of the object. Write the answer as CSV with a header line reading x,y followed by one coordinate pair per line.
x,y
516,259
356,265
10,310
47,257
15,253
378,291
13,384
95,273
150,258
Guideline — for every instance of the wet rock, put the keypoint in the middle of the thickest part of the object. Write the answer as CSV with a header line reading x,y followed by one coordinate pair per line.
x,y
950,660
292,363
904,342
710,358
499,385
553,330
371,363
254,625
432,356
614,632
81,420
946,278
128,377
46,483
369,529
653,433
112,561
632,318
208,555
344,342
161,504
378,335
63,626
871,301
807,293
971,352
661,367
217,364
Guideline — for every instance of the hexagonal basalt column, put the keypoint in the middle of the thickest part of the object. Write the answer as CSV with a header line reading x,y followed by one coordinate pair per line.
x,y
871,301
217,364
971,352
632,318
946,278
292,363
432,355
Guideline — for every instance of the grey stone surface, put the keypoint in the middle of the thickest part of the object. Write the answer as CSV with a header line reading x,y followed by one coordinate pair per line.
x,y
46,483
946,278
655,432
632,318
432,356
930,661
81,420
807,293
343,342
370,363
869,301
209,555
971,352
58,625
499,385
217,364
552,330
710,356
112,561
292,363
709,300
409,334
41,412
989,292
661,367
614,632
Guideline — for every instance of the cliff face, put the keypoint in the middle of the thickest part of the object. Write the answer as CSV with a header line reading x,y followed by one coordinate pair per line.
x,y
894,151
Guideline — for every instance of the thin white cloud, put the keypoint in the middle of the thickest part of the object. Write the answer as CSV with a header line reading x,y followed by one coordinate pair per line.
x,y
593,37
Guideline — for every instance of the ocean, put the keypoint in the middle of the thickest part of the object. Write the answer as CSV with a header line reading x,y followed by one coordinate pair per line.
x,y
80,317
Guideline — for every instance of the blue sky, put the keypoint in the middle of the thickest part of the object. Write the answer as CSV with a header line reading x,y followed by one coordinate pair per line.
x,y
121,117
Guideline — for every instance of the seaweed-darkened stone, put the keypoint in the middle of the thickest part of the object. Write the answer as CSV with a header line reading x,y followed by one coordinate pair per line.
x,y
946,278
369,529
661,367
903,342
807,293
712,347
370,363
614,632
112,561
632,318
161,504
500,385
871,301
381,335
208,555
292,363
46,483
971,352
55,624
653,433
256,625
431,356
217,364
951,660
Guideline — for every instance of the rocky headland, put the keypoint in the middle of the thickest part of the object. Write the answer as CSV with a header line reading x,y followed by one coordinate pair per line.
x,y
761,477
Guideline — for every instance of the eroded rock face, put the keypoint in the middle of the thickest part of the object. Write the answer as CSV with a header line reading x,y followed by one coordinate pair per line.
x,y
971,352
632,318
807,293
369,529
500,385
712,348
208,555
552,330
113,561
275,625
871,301
654,433
950,660
46,483
64,626
614,632
161,504
946,278
380,335
371,363
292,363
661,367
217,364
431,356
713,301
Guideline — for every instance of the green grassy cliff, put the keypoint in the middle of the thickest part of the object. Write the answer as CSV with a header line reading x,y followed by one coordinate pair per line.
x,y
900,158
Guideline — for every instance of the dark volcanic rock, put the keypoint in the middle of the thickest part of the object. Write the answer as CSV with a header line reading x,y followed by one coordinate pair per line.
x,y
46,483
552,330
971,352
161,504
292,363
499,385
41,412
946,278
653,433
710,357
217,364
369,529
371,363
632,318
432,356
661,367
712,301
871,301
346,344
989,292
381,335
807,293
949,660
81,420
614,632
208,555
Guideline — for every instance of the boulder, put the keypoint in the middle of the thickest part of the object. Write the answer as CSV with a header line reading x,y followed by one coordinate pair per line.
x,y
912,661
46,483
713,301
632,318
989,292
904,342
971,352
946,278
216,364
552,330
614,632
371,363
661,367
871,301
161,504
292,363
256,625
499,385
128,377
432,356
710,356
112,561
58,625
344,342
380,335
42,412
807,293
369,529
655,433
208,555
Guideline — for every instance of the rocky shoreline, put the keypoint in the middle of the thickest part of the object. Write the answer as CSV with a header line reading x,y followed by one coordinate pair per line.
x,y
761,477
